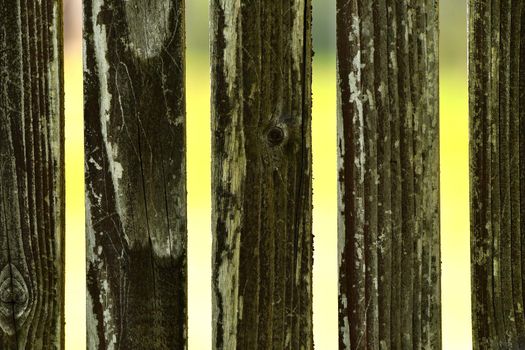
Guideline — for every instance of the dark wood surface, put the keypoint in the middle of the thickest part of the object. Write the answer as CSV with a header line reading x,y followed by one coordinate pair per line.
x,y
31,175
497,172
388,120
261,174
134,107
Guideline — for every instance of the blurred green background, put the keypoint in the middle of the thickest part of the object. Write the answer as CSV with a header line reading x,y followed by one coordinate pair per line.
x,y
454,176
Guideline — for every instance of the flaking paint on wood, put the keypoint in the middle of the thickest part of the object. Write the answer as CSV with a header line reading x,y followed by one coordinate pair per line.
x,y
388,113
497,171
31,175
261,177
134,107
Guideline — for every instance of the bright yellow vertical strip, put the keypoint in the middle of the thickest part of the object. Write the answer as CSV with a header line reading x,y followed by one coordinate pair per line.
x,y
75,238
455,238
455,232
199,201
199,177
324,144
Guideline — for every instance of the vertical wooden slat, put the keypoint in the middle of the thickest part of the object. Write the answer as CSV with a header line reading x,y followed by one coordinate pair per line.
x,y
261,116
496,84
389,255
384,170
32,199
134,107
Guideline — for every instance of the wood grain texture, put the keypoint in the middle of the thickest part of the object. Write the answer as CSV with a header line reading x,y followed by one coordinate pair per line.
x,y
261,174
31,175
497,171
388,120
134,106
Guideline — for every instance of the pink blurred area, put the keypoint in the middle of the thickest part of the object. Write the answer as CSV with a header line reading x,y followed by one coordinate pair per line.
x,y
72,25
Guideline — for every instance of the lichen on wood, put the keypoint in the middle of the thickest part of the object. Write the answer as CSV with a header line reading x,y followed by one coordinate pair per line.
x,y
134,108
497,171
32,195
388,113
261,177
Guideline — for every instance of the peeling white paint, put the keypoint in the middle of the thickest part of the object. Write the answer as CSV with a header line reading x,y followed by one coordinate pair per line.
x,y
382,90
94,162
231,10
229,286
101,48
341,227
233,175
345,328
54,89
90,234
298,36
356,97
91,325
108,306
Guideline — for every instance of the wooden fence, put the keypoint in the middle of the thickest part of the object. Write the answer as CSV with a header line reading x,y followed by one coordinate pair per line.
x,y
261,73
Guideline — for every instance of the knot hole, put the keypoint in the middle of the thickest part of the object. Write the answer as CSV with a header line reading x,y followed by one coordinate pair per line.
x,y
14,298
276,135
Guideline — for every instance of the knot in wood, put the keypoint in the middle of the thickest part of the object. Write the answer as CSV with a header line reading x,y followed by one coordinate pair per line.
x,y
275,135
14,299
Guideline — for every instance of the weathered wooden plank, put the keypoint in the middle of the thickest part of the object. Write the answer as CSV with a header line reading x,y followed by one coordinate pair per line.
x,y
261,117
497,174
389,255
31,175
135,174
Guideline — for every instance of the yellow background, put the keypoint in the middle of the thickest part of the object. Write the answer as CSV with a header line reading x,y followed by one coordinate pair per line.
x,y
454,178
